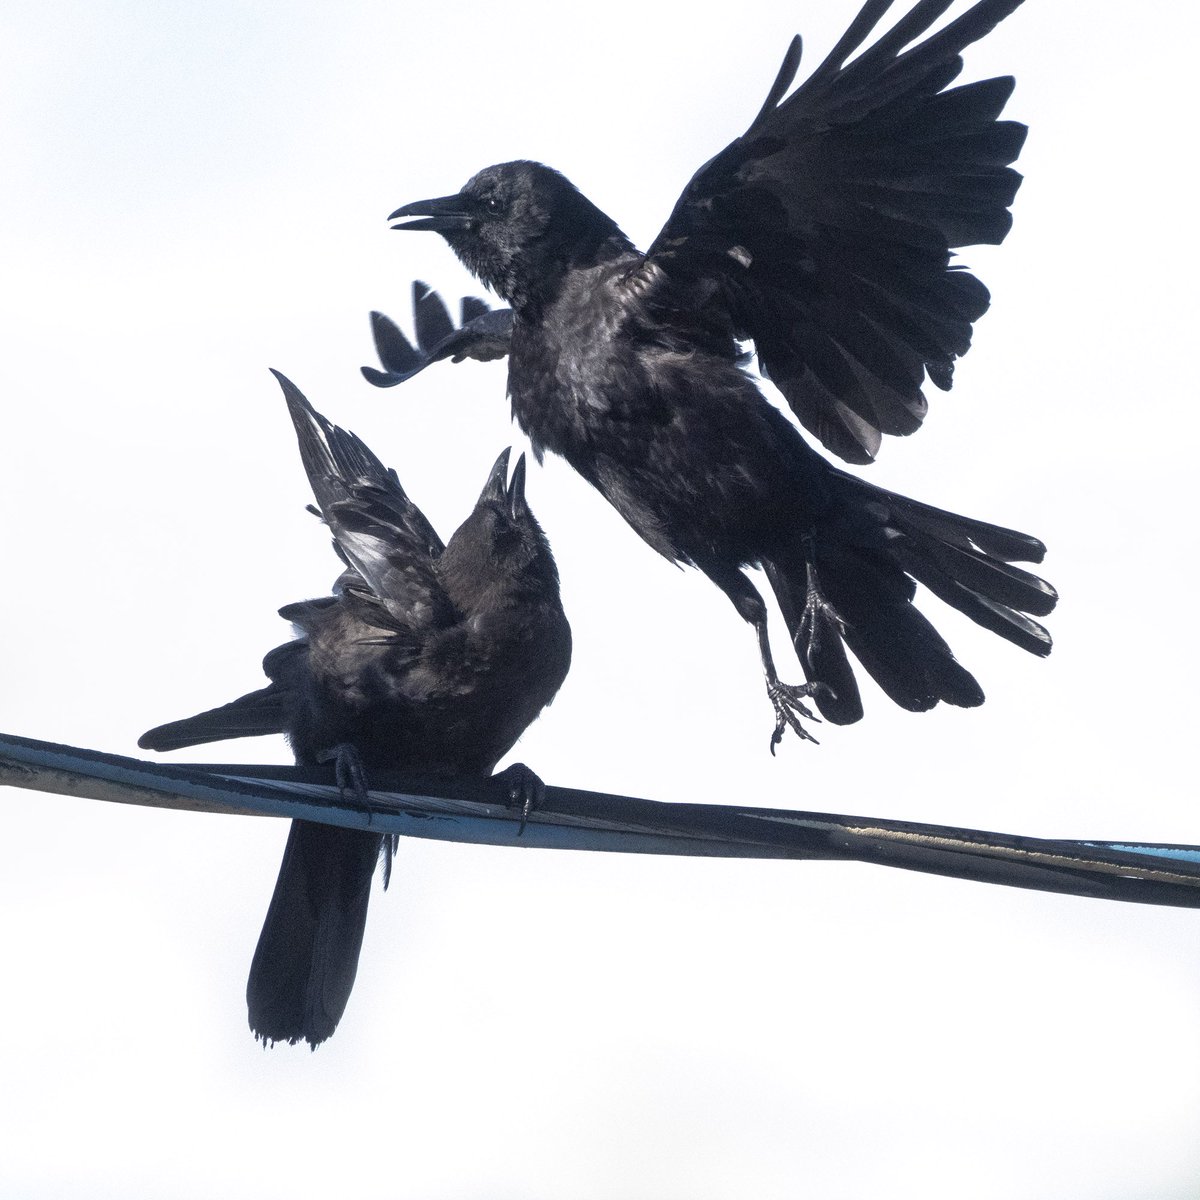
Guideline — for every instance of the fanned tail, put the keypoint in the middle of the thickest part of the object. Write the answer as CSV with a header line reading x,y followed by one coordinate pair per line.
x,y
853,583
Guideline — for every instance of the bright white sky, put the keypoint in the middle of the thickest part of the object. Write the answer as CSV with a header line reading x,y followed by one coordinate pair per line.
x,y
194,193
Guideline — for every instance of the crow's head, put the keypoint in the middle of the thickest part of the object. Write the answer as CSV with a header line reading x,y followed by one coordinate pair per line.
x,y
519,227
499,555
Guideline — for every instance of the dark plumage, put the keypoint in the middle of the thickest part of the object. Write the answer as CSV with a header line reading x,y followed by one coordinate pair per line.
x,y
430,658
483,333
823,235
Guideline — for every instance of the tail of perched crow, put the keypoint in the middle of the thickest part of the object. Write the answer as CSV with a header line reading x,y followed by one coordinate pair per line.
x,y
307,954
852,584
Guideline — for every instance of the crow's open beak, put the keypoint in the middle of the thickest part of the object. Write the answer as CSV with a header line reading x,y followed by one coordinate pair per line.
x,y
441,215
516,491
496,487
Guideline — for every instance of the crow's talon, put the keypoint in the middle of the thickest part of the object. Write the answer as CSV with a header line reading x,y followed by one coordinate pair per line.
x,y
523,789
350,774
788,700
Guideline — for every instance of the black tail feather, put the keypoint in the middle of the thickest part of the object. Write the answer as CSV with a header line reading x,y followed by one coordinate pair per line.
x,y
307,954
858,573
995,541
899,648
911,662
1001,618
998,580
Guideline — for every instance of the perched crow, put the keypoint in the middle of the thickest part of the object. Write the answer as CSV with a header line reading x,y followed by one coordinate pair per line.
x,y
428,657
823,235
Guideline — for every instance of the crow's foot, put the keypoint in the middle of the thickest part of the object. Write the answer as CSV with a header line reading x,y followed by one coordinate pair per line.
x,y
788,700
522,789
350,774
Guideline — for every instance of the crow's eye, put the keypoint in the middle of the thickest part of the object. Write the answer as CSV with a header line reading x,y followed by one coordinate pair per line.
x,y
492,204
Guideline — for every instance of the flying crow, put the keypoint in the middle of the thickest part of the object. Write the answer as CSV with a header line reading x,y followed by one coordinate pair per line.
x,y
823,235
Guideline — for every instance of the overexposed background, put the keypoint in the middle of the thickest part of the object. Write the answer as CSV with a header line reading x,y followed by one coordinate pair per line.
x,y
195,193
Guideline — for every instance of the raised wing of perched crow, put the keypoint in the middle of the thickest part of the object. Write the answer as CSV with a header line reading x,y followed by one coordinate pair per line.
x,y
823,234
428,657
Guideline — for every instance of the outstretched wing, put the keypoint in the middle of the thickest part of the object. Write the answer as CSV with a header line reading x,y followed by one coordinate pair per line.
x,y
827,227
377,529
483,333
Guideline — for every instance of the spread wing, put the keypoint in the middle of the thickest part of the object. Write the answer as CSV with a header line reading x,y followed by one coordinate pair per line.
x,y
826,230
483,333
377,530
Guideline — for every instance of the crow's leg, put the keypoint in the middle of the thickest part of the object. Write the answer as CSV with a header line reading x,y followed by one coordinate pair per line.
x,y
786,698
815,607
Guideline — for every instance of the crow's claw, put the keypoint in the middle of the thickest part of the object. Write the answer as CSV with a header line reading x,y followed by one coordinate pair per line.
x,y
788,700
522,789
350,774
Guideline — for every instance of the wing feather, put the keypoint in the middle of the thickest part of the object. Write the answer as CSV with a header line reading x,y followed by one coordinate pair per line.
x,y
829,225
378,531
483,334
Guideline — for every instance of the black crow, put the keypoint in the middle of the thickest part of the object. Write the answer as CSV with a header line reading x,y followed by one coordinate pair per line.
x,y
824,236
427,657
